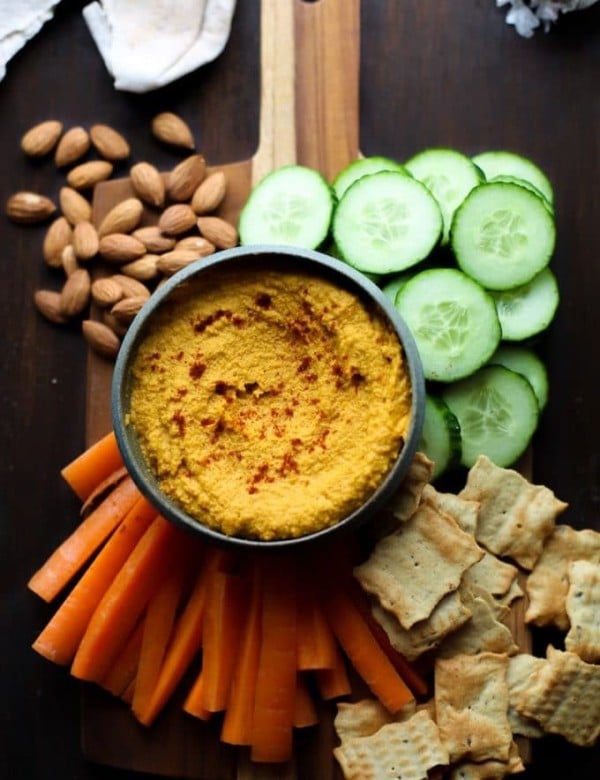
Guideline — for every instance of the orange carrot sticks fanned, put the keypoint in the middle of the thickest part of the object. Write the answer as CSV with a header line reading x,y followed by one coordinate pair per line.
x,y
124,668
96,463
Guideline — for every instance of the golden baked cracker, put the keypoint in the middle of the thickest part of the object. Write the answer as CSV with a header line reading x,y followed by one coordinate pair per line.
x,y
489,770
360,718
408,749
583,609
515,516
407,498
548,583
412,569
447,616
514,592
483,632
563,696
521,668
464,512
472,706
491,574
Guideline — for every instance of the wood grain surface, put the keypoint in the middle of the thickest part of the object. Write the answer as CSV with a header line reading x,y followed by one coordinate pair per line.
x,y
431,73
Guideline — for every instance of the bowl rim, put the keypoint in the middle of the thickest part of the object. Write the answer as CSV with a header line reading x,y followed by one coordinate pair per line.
x,y
327,266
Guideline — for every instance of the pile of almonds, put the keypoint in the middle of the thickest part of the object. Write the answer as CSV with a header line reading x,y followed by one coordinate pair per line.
x,y
167,223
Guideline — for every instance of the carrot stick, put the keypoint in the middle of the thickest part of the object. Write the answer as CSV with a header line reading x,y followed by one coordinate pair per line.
x,y
59,640
237,723
334,683
364,652
124,668
125,600
89,535
102,490
305,712
275,697
127,695
193,703
158,626
96,463
316,643
187,638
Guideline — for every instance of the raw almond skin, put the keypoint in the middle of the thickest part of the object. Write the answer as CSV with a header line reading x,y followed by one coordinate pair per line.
x,y
41,139
154,239
109,143
85,241
177,219
144,270
28,208
122,218
218,231
75,294
210,193
185,178
57,237
74,206
68,260
174,261
202,246
113,323
126,309
72,146
106,292
47,302
132,288
173,130
148,184
86,175
100,338
120,248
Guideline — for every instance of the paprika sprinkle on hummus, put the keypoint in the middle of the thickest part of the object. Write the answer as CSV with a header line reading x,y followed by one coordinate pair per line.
x,y
269,404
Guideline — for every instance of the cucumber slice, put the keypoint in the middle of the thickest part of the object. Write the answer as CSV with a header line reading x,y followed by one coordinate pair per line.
x,y
526,362
394,284
363,167
453,321
440,437
529,309
528,186
497,412
386,222
504,163
502,235
449,175
291,205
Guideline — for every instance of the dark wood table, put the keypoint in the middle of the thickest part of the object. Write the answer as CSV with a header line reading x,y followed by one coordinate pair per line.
x,y
432,73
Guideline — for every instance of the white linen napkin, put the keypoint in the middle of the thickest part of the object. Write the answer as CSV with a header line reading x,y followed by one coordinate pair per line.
x,y
20,20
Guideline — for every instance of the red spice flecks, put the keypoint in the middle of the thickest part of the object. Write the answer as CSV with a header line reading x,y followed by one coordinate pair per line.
x,y
238,321
201,325
179,421
304,364
288,411
289,465
218,430
179,355
296,442
263,300
153,356
206,421
220,388
311,377
356,377
197,369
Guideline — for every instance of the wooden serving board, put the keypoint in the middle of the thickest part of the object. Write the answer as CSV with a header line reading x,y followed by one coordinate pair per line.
x,y
309,113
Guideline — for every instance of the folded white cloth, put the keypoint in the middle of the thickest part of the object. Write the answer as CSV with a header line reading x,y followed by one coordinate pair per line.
x,y
20,20
146,45
527,15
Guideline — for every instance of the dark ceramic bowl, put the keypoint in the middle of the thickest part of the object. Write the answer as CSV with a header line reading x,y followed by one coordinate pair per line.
x,y
276,256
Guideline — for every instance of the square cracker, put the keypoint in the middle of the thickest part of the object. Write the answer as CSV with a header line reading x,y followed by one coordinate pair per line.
x,y
548,583
515,516
412,569
464,512
583,609
521,667
472,706
408,749
491,574
489,770
563,696
360,718
408,497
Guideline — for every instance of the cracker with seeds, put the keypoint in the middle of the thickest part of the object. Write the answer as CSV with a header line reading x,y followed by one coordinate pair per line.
x,y
515,516
547,585
583,609
412,569
408,749
464,512
472,706
563,696
521,668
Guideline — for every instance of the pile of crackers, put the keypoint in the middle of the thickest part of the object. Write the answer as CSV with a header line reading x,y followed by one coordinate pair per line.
x,y
444,579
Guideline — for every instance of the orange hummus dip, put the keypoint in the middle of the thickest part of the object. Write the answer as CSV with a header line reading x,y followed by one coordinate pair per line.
x,y
269,404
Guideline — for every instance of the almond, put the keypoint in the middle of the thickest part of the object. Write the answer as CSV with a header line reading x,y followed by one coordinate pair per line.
x,y
173,130
86,175
85,241
47,303
210,193
57,237
218,231
198,244
185,177
148,184
154,239
144,269
27,208
101,338
177,219
106,291
126,309
68,260
75,294
122,218
74,206
120,248
132,288
174,261
72,146
41,139
109,143
113,323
